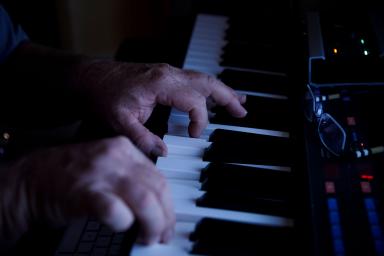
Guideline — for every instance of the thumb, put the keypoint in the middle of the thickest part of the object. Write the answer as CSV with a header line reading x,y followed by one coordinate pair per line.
x,y
148,142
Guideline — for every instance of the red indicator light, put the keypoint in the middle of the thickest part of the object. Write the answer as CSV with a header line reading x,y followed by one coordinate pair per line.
x,y
366,177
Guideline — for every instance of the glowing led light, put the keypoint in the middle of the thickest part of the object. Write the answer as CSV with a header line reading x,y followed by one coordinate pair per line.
x,y
365,52
6,136
367,177
362,41
335,50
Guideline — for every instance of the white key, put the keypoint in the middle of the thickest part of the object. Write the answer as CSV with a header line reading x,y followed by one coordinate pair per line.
x,y
180,174
188,142
180,245
193,164
262,94
183,121
185,195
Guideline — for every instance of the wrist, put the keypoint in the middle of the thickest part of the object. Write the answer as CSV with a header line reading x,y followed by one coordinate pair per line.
x,y
85,72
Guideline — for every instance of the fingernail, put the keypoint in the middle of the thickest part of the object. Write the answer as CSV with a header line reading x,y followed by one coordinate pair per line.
x,y
167,236
159,151
243,98
243,113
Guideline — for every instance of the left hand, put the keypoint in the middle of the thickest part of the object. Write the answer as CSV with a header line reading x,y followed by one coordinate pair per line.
x,y
125,94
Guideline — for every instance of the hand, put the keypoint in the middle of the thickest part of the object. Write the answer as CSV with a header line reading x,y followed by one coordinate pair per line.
x,y
125,95
109,179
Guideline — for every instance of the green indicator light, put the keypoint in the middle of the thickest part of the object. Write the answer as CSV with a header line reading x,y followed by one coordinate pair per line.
x,y
365,52
362,41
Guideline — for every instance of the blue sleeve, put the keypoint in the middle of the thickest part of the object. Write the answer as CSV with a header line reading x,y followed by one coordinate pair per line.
x,y
10,35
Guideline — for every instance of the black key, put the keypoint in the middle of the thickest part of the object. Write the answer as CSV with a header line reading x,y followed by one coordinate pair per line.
x,y
261,183
222,135
84,247
99,251
238,171
93,225
105,231
89,236
214,236
118,238
103,241
255,82
247,148
244,202
115,250
264,113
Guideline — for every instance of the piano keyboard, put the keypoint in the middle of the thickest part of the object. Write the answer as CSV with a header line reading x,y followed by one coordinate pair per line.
x,y
230,186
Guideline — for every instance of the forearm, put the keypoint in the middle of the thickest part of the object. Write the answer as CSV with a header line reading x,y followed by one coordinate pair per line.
x,y
13,209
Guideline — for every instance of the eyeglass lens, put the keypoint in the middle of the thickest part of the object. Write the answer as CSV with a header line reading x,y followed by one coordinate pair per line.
x,y
331,134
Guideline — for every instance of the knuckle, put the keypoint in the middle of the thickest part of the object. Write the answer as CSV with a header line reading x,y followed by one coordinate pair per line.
x,y
161,71
202,99
164,66
209,79
145,199
111,148
198,98
172,220
142,139
162,185
232,97
121,141
117,143
146,169
158,228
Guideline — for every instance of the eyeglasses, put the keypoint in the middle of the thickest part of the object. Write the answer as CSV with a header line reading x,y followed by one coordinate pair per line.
x,y
331,133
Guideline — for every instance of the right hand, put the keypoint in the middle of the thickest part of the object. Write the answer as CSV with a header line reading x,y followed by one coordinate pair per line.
x,y
124,95
110,179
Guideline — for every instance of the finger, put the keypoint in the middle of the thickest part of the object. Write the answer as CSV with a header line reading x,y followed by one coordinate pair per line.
x,y
221,93
146,208
110,210
159,185
226,97
148,142
168,209
188,100
242,98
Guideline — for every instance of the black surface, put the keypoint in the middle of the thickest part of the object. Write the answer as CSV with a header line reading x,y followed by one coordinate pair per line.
x,y
255,82
217,237
255,182
263,113
248,148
